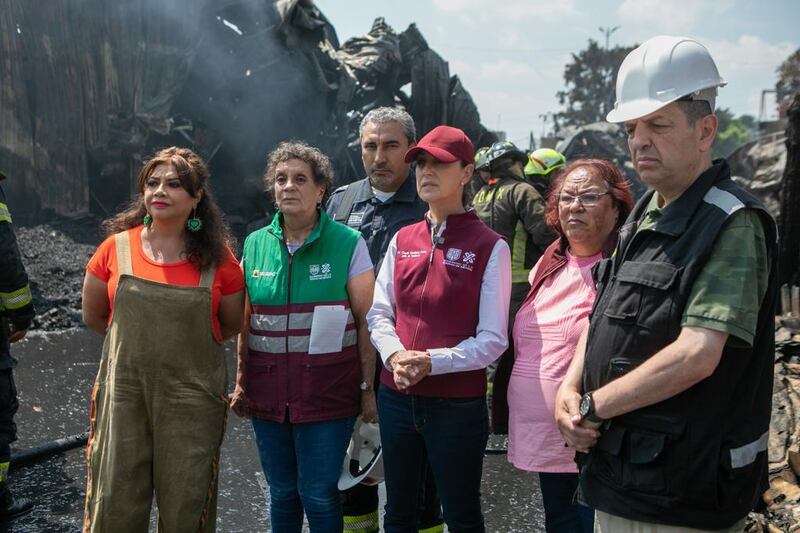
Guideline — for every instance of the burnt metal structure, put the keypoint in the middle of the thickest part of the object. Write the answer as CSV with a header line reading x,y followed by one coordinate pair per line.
x,y
91,88
789,222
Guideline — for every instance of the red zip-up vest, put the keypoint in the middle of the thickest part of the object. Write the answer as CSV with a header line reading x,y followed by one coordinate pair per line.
x,y
437,290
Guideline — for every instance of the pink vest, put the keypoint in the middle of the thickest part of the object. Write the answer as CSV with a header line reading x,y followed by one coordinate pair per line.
x,y
437,297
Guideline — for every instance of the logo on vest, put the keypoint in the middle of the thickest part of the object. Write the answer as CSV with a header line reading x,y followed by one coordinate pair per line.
x,y
319,272
457,258
263,273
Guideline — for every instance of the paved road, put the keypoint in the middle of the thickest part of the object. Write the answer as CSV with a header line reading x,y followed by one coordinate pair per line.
x,y
54,379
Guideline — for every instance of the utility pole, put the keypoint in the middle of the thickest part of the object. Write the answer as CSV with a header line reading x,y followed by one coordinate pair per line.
x,y
607,32
608,73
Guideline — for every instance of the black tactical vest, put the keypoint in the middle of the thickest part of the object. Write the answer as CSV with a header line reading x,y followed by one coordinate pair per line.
x,y
699,458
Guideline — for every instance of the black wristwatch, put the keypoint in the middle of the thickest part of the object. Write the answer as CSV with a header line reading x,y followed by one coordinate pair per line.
x,y
365,387
586,409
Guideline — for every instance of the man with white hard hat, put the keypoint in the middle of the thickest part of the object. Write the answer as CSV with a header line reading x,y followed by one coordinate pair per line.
x,y
668,398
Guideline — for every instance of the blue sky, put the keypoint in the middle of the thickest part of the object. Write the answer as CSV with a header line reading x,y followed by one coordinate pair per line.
x,y
510,54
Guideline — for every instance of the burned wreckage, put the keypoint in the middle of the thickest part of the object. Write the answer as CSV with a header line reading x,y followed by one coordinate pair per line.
x,y
90,89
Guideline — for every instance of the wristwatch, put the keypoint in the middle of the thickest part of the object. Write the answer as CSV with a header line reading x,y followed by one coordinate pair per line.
x,y
586,409
365,387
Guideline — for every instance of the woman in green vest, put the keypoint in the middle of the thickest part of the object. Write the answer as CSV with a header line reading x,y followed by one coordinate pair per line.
x,y
306,364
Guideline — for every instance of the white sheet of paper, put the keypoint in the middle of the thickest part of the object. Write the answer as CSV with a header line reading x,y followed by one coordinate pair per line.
x,y
327,329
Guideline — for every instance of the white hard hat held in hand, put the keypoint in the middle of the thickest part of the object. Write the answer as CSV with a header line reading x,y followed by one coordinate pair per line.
x,y
364,460
660,71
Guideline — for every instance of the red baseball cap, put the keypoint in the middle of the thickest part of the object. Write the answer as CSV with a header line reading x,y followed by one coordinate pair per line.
x,y
446,144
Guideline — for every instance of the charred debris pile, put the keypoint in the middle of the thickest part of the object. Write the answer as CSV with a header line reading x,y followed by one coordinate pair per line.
x,y
55,257
92,88
782,500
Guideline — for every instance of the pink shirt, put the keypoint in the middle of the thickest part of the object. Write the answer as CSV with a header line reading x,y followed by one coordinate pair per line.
x,y
546,332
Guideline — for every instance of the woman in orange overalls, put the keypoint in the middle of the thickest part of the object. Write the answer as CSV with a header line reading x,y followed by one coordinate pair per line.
x,y
165,290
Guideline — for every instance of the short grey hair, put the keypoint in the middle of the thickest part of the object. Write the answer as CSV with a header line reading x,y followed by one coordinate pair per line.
x,y
381,115
698,104
695,109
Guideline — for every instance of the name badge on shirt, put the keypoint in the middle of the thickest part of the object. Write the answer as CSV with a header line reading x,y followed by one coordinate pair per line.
x,y
327,329
354,221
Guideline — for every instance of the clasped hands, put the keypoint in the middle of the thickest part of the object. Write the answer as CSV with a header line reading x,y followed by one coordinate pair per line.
x,y
579,433
409,367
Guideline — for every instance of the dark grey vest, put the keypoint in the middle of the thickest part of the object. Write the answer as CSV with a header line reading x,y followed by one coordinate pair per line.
x,y
697,459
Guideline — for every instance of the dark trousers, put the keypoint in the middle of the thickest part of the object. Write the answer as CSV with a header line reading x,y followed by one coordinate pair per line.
x,y
499,401
561,514
8,408
502,376
451,434
363,499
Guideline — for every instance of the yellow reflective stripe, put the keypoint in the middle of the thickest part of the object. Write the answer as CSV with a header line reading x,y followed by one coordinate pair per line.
x,y
5,214
17,299
365,523
519,273
439,528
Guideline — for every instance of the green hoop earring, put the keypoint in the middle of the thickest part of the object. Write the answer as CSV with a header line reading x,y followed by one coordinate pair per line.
x,y
147,220
194,224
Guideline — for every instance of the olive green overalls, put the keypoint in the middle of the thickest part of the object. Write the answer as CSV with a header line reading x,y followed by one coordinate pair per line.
x,y
158,409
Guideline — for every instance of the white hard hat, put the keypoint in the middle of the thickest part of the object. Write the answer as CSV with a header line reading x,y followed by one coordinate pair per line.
x,y
364,460
660,71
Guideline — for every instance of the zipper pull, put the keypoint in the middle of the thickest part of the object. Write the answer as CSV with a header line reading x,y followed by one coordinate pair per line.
x,y
433,245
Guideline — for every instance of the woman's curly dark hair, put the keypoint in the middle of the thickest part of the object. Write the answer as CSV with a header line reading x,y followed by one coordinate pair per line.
x,y
321,166
205,247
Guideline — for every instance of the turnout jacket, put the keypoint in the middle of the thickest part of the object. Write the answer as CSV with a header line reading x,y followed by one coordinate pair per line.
x,y
515,209
16,303
699,458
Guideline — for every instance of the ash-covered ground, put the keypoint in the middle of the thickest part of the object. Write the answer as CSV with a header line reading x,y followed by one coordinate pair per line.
x,y
55,257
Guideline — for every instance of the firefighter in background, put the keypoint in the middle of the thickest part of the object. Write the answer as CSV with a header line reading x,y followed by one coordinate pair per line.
x,y
540,166
512,207
16,314
482,165
479,176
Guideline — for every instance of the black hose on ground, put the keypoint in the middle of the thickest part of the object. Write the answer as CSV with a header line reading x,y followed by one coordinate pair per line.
x,y
44,450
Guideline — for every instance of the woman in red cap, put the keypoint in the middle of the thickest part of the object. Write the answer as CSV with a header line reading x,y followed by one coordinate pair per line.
x,y
439,318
